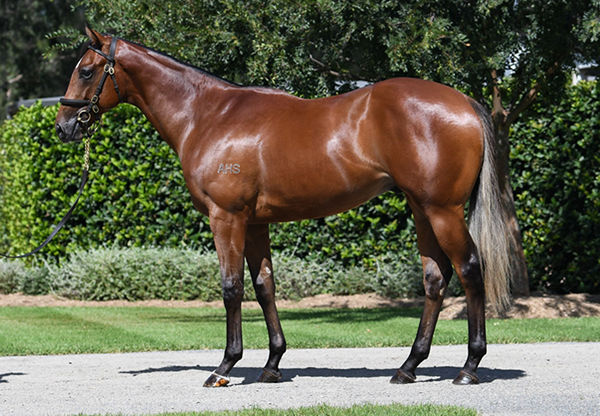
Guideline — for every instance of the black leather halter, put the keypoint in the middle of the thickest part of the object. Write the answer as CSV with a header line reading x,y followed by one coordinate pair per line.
x,y
91,107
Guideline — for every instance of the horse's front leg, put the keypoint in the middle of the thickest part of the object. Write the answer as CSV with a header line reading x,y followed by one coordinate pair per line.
x,y
229,231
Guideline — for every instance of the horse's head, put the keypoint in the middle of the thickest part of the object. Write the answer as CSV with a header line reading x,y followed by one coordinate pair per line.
x,y
88,96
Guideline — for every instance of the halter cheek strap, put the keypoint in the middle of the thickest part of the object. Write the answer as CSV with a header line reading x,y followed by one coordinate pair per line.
x,y
84,117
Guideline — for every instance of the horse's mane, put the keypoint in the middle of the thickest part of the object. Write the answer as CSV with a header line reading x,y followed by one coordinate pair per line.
x,y
187,64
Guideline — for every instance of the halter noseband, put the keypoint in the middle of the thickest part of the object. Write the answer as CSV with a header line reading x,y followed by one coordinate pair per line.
x,y
85,115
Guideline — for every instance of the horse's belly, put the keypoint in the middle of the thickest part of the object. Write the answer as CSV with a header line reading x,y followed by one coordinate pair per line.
x,y
322,198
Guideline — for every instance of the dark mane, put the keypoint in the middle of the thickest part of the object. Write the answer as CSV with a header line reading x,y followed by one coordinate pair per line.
x,y
203,71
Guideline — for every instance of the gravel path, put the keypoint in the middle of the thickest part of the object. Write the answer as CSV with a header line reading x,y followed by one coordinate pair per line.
x,y
530,379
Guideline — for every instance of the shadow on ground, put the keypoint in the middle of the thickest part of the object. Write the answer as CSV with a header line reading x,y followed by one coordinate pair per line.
x,y
3,376
486,375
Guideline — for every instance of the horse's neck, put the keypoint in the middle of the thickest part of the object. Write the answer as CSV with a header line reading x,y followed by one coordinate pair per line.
x,y
173,96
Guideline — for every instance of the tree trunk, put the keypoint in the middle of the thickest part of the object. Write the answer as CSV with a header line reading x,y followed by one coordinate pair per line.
x,y
520,279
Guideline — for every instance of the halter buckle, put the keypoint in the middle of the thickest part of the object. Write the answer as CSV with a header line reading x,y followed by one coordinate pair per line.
x,y
109,69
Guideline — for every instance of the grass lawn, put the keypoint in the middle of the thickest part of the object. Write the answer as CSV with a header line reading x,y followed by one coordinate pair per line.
x,y
62,330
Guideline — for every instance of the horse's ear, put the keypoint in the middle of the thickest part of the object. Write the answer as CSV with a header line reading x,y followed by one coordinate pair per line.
x,y
95,37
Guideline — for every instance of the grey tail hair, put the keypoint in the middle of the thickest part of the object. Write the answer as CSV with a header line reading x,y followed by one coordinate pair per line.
x,y
488,223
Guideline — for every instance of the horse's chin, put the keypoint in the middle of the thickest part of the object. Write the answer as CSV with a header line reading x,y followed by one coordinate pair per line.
x,y
75,139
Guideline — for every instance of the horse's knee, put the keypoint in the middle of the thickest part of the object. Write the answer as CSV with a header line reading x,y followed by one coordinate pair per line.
x,y
233,288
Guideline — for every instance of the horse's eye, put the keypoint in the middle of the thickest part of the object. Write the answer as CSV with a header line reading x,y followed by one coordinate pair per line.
x,y
85,73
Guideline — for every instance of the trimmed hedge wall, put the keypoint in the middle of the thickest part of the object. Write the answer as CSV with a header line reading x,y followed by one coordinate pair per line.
x,y
555,160
137,196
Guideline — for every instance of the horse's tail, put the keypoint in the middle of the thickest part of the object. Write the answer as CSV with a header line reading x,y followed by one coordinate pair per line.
x,y
488,223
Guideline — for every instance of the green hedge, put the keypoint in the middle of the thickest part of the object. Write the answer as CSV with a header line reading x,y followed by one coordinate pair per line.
x,y
137,197
556,179
136,194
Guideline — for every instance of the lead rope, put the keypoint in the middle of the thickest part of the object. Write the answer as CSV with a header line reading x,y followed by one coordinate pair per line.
x,y
86,156
61,224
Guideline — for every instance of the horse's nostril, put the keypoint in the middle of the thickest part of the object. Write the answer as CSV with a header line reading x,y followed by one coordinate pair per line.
x,y
60,132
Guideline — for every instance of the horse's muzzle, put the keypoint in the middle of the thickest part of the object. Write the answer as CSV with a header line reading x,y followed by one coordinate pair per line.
x,y
69,132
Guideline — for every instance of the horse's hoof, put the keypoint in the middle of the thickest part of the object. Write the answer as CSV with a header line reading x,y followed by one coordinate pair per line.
x,y
216,380
269,376
402,377
465,378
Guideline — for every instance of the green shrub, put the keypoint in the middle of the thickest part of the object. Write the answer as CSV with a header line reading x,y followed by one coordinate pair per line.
x,y
136,195
137,274
16,277
11,273
390,276
185,274
556,180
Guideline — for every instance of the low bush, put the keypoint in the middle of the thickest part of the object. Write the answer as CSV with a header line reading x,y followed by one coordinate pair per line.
x,y
136,274
16,277
185,274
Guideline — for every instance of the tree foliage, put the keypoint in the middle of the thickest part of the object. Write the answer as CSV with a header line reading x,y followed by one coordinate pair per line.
x,y
310,47
24,70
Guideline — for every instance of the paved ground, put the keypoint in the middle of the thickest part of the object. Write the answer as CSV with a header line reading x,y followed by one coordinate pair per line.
x,y
532,379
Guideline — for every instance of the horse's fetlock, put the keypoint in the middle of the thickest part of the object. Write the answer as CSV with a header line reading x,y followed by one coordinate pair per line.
x,y
420,350
278,345
234,354
478,348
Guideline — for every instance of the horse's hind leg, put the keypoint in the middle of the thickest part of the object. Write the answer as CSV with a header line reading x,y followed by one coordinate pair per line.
x,y
451,232
437,271
258,256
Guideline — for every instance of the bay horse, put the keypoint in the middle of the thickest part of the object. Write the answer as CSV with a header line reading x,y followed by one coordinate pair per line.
x,y
253,156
